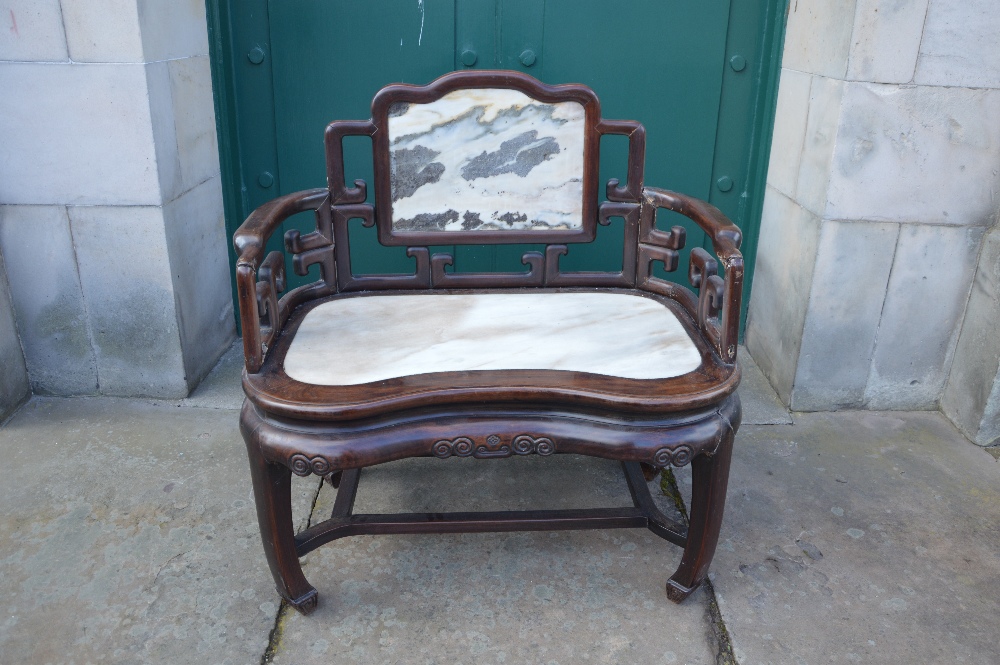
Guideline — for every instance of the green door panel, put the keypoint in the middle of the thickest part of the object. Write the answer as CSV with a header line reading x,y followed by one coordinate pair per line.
x,y
666,63
655,61
327,65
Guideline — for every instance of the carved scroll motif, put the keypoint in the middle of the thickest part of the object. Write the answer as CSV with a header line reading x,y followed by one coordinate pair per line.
x,y
679,456
493,447
703,275
303,466
272,282
525,445
314,247
442,279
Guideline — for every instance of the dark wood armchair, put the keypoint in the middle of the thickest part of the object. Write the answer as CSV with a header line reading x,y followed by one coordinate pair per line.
x,y
357,370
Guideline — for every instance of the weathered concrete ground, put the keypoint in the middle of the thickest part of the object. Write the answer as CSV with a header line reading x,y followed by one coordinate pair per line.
x,y
128,535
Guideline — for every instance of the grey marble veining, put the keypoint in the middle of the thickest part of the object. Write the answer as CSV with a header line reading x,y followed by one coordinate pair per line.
x,y
372,338
486,159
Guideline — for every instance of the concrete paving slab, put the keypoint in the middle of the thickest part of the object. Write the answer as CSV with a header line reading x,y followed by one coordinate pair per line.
x,y
128,535
860,537
565,597
761,405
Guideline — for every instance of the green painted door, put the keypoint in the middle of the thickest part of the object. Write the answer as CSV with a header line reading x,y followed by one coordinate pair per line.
x,y
698,75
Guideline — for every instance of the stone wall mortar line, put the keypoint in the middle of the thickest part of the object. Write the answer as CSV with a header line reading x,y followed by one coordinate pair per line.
x,y
189,189
854,31
881,313
957,333
907,85
805,134
876,220
83,299
62,21
920,44
960,329
801,332
81,63
4,283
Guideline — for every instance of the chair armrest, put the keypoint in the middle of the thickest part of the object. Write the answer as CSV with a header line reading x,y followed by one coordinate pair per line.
x,y
250,241
716,294
726,236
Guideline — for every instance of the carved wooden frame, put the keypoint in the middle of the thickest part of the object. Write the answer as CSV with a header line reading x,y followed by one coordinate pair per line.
x,y
294,428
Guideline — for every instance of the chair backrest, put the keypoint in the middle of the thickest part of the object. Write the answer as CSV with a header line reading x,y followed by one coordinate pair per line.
x,y
486,157
480,157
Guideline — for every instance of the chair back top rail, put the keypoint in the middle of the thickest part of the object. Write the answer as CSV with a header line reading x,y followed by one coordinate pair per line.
x,y
484,158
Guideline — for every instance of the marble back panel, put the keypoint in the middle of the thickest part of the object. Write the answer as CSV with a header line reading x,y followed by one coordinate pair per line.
x,y
486,160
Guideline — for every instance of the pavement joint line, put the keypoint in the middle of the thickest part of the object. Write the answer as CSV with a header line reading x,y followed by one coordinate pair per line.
x,y
274,637
278,630
724,655
312,506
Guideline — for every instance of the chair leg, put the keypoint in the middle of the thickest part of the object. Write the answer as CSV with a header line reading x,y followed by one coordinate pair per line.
x,y
710,477
272,488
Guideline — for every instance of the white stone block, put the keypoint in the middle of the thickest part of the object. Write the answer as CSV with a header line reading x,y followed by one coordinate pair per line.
x,y
183,117
848,288
789,131
103,30
917,154
77,134
174,29
14,386
825,97
32,30
199,264
786,255
961,44
886,40
818,36
931,277
45,286
126,275
972,395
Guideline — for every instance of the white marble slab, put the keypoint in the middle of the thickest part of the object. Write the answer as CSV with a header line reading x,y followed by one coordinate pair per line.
x,y
486,159
373,338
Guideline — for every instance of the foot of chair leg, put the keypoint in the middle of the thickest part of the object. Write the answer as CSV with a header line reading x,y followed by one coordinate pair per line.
x,y
678,592
305,603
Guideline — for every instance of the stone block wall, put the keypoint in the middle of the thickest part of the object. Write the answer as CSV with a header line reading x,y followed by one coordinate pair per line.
x,y
111,218
884,177
14,386
972,397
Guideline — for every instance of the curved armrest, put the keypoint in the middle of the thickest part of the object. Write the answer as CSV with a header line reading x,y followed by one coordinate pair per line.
x,y
716,294
251,238
250,241
726,236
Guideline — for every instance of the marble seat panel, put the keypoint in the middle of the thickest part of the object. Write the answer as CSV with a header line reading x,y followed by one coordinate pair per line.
x,y
358,340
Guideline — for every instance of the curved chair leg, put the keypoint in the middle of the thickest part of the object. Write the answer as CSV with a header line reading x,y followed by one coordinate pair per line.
x,y
710,477
272,489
